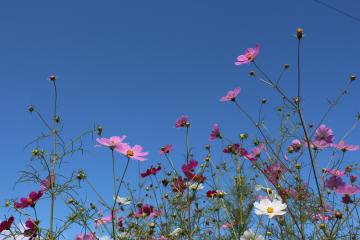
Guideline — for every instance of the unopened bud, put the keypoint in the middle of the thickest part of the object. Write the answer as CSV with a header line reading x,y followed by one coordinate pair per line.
x,y
299,33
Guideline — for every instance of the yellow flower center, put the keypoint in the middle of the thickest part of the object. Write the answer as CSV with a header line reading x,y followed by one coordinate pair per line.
x,y
270,210
30,201
130,153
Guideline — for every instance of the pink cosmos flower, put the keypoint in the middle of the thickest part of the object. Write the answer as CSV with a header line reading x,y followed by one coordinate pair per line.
x,y
324,133
166,149
215,132
228,225
85,237
147,210
6,224
45,184
255,153
112,142
231,95
105,219
274,172
183,121
334,182
296,145
345,147
347,189
30,201
248,56
335,172
135,152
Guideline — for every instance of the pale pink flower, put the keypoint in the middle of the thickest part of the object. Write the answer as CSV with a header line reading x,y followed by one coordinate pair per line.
x,y
296,145
112,142
215,132
248,56
335,172
105,219
255,152
228,225
231,95
347,189
345,147
135,152
85,237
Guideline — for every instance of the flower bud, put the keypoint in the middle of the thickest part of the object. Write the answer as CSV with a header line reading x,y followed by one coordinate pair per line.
x,y
286,66
252,73
352,77
243,136
99,130
52,77
338,214
31,108
299,33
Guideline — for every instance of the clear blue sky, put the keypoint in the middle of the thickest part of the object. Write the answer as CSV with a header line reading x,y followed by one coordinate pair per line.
x,y
135,66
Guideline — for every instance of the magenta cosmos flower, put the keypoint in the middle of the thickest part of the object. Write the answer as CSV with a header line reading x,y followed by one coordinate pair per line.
x,y
166,149
335,172
111,142
345,147
215,132
231,95
6,224
135,152
30,201
248,56
183,121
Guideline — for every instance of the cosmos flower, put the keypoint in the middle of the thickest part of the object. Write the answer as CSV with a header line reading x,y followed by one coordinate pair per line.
x,y
135,152
146,210
231,95
183,121
179,185
248,56
122,201
86,237
196,186
112,142
215,132
347,189
150,171
251,235
334,182
274,172
166,149
45,184
255,152
345,147
106,219
335,172
31,229
6,224
296,145
270,208
30,201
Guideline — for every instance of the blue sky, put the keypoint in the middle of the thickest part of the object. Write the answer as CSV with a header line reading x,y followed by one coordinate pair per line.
x,y
136,66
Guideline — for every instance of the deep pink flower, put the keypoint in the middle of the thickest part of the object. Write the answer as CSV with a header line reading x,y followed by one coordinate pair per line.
x,y
179,185
231,95
334,182
85,237
166,149
248,56
6,224
188,170
30,201
183,121
345,147
353,178
147,210
190,166
135,152
274,172
112,142
235,149
31,229
211,193
346,199
347,189
150,171
215,132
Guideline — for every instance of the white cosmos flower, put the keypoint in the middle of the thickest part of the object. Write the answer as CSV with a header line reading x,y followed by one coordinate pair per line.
x,y
122,201
176,232
196,186
270,208
250,235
